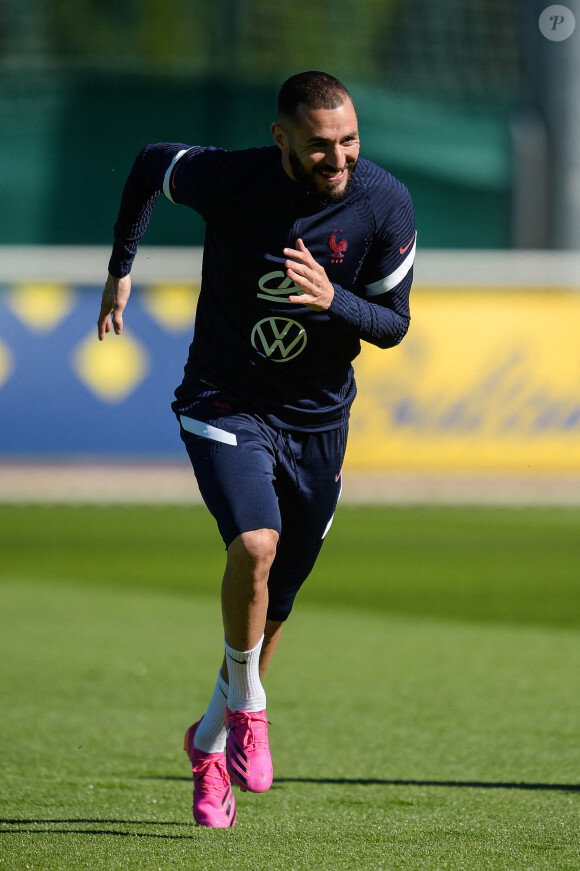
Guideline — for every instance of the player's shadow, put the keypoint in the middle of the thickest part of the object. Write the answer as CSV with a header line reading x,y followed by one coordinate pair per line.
x,y
374,781
105,827
461,784
135,827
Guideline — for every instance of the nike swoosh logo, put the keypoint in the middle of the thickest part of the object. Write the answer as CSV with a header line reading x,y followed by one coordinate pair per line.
x,y
407,246
239,661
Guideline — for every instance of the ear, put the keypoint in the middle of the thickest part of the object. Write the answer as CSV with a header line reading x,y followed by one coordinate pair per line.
x,y
279,137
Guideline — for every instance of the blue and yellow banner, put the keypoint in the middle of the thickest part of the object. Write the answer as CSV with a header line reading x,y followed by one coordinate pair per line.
x,y
64,393
488,378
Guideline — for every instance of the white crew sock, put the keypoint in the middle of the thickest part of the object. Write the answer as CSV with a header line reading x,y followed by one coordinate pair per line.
x,y
246,692
210,736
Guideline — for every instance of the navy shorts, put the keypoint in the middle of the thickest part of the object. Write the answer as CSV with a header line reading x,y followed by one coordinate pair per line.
x,y
254,476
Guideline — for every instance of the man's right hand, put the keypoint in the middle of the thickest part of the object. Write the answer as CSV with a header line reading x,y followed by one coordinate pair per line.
x,y
115,298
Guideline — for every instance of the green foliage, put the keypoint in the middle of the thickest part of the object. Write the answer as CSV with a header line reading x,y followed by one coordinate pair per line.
x,y
252,40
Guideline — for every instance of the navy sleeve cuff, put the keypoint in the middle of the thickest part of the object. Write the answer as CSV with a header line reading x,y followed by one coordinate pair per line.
x,y
369,321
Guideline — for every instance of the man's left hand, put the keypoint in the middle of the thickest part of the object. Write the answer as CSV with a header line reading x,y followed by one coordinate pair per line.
x,y
302,268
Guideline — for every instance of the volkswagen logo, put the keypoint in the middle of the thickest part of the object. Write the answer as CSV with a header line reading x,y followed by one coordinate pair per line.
x,y
280,339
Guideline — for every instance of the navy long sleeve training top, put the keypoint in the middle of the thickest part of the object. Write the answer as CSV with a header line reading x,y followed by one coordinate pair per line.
x,y
283,361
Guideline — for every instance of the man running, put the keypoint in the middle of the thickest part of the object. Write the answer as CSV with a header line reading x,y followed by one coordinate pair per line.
x,y
308,250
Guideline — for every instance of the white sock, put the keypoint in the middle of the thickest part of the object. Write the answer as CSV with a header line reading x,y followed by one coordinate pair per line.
x,y
246,692
210,736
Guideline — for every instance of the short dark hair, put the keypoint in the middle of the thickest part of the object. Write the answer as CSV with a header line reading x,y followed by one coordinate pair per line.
x,y
316,89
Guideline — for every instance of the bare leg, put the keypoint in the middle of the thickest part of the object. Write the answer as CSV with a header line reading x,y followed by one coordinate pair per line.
x,y
244,608
245,587
271,638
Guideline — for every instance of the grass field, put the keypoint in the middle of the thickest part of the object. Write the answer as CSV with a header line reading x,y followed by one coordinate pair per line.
x,y
424,702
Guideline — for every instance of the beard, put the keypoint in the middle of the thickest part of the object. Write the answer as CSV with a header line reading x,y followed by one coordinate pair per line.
x,y
327,195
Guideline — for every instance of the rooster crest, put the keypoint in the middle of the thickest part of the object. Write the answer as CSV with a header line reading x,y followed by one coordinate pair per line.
x,y
337,246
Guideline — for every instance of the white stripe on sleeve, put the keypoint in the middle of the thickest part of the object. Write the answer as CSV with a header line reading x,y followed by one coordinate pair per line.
x,y
391,281
167,178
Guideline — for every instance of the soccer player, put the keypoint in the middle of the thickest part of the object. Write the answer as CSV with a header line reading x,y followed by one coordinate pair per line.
x,y
308,250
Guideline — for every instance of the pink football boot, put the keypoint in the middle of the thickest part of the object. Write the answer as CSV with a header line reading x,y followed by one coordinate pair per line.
x,y
247,751
213,800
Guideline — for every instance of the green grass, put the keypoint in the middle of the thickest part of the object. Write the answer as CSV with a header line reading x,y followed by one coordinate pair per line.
x,y
424,700
502,564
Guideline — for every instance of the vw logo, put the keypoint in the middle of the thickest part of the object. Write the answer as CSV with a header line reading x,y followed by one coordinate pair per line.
x,y
280,339
277,287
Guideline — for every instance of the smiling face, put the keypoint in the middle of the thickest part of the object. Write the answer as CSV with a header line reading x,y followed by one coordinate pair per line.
x,y
320,148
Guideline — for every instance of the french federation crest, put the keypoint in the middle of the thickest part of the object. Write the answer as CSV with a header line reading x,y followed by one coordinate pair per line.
x,y
338,246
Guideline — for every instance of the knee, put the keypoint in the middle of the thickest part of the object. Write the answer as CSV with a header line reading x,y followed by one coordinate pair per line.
x,y
253,552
